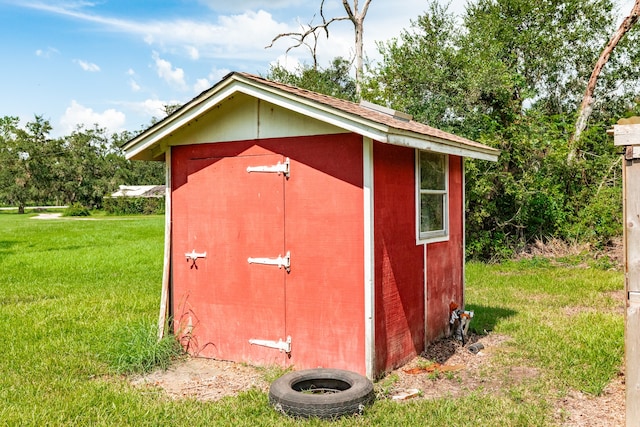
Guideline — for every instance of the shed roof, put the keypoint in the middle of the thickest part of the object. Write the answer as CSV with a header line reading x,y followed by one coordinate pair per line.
x,y
369,120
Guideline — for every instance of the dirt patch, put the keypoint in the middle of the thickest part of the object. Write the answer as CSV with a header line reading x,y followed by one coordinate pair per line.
x,y
607,410
445,369
449,369
204,379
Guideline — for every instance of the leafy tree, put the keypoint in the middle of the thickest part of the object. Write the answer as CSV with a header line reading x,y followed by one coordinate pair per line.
x,y
510,74
94,166
24,172
334,80
11,181
80,168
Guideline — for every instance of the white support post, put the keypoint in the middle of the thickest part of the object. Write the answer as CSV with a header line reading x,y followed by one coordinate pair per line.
x,y
166,269
369,256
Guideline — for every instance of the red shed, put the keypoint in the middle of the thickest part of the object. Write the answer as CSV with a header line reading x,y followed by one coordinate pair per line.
x,y
306,230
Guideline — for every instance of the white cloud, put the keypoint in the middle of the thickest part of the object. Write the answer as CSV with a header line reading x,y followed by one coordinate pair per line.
x,y
193,53
287,62
77,114
201,85
87,66
133,83
135,87
212,78
241,36
218,74
242,5
47,53
173,76
151,107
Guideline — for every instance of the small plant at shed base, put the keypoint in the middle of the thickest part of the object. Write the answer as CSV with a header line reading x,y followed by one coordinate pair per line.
x,y
272,373
385,386
138,350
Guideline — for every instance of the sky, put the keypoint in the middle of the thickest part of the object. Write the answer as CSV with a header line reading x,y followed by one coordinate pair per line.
x,y
116,63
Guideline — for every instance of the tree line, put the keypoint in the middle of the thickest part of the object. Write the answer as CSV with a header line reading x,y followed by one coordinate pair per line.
x,y
80,168
508,73
511,74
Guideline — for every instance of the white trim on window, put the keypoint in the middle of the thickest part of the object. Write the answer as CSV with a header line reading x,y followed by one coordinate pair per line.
x,y
434,235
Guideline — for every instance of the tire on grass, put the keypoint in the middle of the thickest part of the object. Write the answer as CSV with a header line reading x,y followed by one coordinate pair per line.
x,y
322,393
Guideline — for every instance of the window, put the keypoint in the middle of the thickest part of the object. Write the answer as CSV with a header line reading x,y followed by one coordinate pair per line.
x,y
432,187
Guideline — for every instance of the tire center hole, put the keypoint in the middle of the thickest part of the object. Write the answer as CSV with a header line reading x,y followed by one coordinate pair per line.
x,y
321,386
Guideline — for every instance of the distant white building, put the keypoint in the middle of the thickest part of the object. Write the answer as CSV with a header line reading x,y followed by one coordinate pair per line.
x,y
140,191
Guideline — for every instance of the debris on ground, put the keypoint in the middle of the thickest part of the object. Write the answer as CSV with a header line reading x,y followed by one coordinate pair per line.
x,y
407,394
208,379
433,368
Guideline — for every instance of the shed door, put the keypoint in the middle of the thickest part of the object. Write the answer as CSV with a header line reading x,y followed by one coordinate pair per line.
x,y
232,215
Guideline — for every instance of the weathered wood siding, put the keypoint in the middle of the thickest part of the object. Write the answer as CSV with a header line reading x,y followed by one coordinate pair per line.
x,y
445,260
322,223
399,262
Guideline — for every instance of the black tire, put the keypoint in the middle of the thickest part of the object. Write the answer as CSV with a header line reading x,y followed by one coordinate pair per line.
x,y
322,393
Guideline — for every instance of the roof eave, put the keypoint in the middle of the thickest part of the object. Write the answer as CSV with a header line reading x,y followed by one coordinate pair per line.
x,y
190,111
363,126
148,146
444,146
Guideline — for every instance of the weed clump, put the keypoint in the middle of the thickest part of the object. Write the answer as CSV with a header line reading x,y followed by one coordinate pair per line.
x,y
137,349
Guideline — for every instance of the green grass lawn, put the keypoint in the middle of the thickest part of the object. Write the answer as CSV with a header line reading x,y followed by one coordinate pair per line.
x,y
77,297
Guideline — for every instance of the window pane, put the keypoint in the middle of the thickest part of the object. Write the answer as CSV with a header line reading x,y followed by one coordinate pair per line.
x,y
431,212
432,171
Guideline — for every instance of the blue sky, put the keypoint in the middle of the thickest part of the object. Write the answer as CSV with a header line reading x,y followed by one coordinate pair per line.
x,y
117,62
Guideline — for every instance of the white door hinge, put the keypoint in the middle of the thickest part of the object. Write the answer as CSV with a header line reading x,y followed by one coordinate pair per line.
x,y
283,346
281,261
278,168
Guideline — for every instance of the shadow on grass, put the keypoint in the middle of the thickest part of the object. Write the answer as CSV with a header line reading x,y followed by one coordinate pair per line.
x,y
486,318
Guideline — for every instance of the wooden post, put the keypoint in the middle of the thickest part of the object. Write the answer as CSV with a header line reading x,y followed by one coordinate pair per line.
x,y
166,270
627,134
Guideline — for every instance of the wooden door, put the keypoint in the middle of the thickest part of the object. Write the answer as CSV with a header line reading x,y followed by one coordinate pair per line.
x,y
232,215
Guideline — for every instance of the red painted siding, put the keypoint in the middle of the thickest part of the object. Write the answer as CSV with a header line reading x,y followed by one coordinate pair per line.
x,y
324,231
445,260
229,224
322,228
399,262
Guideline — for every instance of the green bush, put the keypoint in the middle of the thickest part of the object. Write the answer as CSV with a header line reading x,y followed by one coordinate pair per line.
x,y
600,220
76,209
134,205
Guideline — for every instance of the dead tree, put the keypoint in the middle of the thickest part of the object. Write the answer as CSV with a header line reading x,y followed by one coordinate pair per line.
x,y
354,14
586,107
308,30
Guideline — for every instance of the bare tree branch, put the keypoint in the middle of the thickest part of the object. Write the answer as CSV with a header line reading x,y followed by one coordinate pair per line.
x,y
308,30
357,19
586,107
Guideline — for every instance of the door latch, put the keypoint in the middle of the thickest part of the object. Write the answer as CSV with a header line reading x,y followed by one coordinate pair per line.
x,y
193,256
